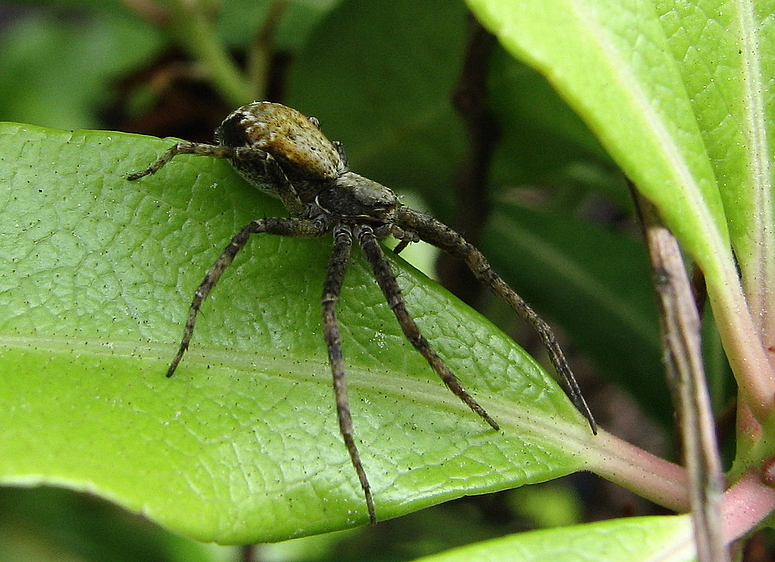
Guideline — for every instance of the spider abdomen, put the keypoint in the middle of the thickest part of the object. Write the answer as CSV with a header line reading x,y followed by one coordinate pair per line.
x,y
304,154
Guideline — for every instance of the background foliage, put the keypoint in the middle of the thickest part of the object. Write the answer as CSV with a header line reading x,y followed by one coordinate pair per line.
x,y
379,75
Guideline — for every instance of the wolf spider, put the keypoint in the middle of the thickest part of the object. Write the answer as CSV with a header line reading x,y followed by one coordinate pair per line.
x,y
283,153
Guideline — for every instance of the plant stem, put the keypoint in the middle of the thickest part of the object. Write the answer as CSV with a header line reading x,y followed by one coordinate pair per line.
x,y
194,29
746,505
743,345
649,476
680,325
259,53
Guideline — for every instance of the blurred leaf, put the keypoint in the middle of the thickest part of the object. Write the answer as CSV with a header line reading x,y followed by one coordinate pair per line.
x,y
242,444
635,539
401,128
239,20
552,504
401,58
541,139
58,68
53,525
597,282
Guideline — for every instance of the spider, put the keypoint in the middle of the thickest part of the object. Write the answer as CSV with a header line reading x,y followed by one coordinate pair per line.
x,y
285,154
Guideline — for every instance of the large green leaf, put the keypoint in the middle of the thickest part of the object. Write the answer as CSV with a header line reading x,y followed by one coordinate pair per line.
x,y
635,539
723,51
241,445
678,95
612,61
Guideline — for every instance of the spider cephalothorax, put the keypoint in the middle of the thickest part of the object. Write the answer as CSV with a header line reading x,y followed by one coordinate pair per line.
x,y
280,151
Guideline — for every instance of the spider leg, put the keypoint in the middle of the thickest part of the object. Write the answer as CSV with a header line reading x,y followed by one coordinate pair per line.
x,y
440,235
404,238
392,292
186,147
401,246
332,288
292,227
269,177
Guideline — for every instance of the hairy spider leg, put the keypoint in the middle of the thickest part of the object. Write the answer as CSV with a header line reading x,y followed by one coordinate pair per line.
x,y
440,235
395,299
332,288
279,182
293,227
288,227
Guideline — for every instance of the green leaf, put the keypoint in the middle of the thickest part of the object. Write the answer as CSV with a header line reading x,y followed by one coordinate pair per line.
x,y
677,95
635,539
59,69
724,54
636,104
242,444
